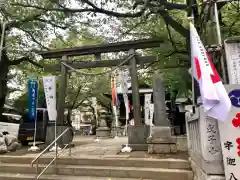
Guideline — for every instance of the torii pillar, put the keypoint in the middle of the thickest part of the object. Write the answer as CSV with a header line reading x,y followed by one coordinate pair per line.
x,y
137,134
61,125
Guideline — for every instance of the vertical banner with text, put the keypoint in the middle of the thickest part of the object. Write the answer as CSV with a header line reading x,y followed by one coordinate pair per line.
x,y
147,103
49,83
124,87
151,114
32,99
230,135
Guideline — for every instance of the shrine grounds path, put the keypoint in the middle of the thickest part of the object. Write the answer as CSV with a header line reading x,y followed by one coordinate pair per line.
x,y
106,148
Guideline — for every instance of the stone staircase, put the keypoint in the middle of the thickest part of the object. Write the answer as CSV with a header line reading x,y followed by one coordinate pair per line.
x,y
96,168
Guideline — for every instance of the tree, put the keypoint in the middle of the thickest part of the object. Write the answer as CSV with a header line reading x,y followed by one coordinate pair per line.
x,y
21,103
172,58
174,53
31,24
80,87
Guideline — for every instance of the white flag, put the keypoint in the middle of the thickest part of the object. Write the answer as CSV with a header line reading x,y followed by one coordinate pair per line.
x,y
215,99
49,83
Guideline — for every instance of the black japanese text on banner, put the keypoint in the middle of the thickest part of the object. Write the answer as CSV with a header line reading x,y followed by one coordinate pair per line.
x,y
49,83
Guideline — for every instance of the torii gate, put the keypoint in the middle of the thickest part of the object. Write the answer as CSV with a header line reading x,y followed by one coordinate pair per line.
x,y
97,50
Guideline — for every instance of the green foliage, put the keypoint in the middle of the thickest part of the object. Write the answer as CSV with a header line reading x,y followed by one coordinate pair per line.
x,y
45,24
80,86
172,58
22,102
231,19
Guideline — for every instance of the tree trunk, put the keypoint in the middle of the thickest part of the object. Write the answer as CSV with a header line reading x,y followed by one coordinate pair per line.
x,y
4,69
69,114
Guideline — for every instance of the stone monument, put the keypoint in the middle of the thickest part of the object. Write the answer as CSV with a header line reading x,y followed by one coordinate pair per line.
x,y
162,140
102,130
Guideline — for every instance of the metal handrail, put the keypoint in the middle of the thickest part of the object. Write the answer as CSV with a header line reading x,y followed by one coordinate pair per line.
x,y
54,159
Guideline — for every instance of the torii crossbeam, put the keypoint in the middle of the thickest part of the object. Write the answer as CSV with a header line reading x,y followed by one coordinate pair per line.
x,y
97,50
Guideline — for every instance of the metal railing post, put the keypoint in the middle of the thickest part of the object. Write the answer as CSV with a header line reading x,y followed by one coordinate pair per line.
x,y
36,170
36,160
70,150
56,155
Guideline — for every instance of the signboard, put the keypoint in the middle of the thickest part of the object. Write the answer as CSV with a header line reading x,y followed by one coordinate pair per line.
x,y
230,135
49,83
32,99
232,50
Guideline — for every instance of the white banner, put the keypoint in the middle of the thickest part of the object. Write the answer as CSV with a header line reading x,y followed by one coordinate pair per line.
x,y
151,114
147,102
123,81
116,115
49,83
124,86
125,97
94,103
232,50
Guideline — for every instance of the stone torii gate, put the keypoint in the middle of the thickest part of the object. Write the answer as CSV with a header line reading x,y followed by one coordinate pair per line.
x,y
97,50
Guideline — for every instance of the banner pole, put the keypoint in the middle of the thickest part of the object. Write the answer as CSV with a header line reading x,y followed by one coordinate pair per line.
x,y
94,101
191,20
126,148
35,132
116,121
220,42
124,87
56,148
34,147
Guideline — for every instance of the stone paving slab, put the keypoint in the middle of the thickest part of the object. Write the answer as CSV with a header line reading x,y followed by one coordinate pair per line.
x,y
9,176
105,148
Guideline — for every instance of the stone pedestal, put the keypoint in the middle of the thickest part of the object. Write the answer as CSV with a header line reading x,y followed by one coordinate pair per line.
x,y
103,131
137,137
162,141
50,134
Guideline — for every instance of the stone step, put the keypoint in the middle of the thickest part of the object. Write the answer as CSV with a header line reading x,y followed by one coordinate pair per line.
x,y
11,176
103,171
96,161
